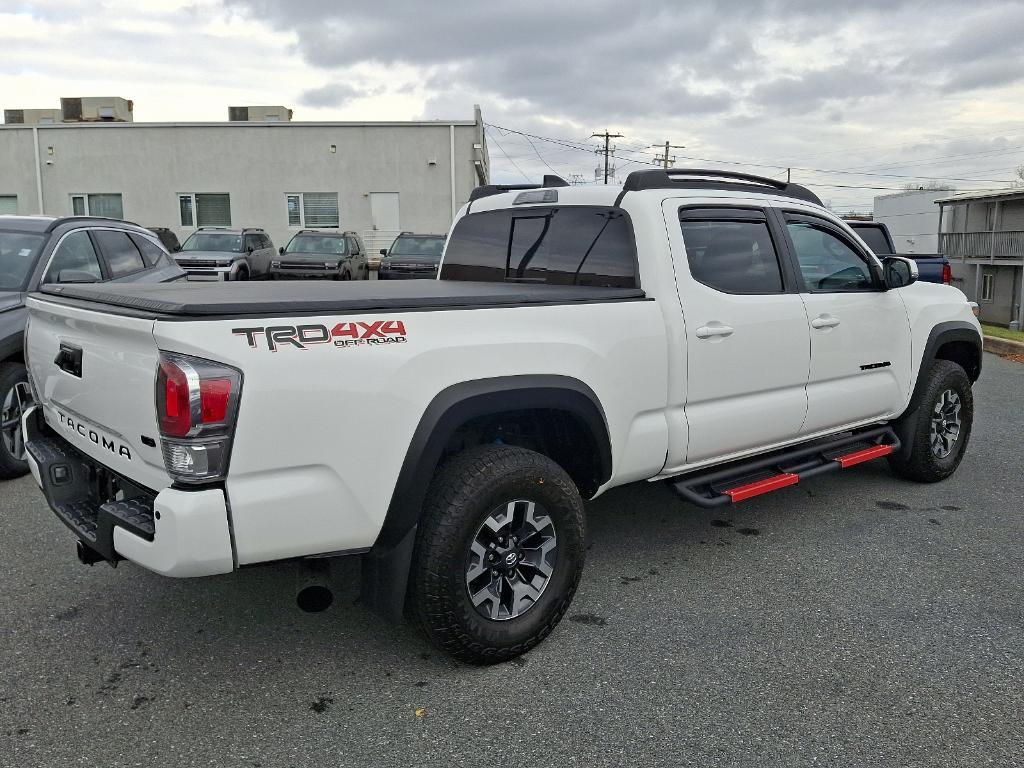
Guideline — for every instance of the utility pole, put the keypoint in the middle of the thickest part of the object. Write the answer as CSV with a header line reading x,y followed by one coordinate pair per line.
x,y
665,159
787,174
607,150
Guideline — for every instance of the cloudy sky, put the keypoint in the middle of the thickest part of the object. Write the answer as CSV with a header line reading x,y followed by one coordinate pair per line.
x,y
858,98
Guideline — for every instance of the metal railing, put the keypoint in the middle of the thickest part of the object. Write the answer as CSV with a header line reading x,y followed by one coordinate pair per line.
x,y
983,245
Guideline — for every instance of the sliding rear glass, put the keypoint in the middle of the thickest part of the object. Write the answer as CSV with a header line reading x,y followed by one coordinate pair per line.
x,y
571,245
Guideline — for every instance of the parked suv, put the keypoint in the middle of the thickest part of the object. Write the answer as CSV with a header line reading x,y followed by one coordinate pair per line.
x,y
225,253
312,254
41,250
167,237
411,256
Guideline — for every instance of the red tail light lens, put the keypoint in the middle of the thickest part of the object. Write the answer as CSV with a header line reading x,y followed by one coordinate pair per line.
x,y
173,405
197,403
947,274
214,399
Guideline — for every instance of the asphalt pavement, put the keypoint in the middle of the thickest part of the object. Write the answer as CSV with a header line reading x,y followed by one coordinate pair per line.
x,y
856,620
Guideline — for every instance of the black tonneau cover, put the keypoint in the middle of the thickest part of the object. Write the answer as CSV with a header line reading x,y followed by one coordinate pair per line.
x,y
197,299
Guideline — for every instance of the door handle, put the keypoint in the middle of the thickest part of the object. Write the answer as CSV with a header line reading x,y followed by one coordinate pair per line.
x,y
824,321
712,329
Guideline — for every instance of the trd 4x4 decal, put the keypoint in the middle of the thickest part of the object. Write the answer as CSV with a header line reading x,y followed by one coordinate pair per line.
x,y
346,334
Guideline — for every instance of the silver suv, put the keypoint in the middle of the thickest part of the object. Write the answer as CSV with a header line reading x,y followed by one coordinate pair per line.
x,y
226,253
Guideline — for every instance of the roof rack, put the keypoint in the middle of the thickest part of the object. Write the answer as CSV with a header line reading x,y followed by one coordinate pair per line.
x,y
550,180
702,178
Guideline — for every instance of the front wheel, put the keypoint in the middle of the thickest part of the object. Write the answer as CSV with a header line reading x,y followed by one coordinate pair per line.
x,y
13,391
935,434
499,553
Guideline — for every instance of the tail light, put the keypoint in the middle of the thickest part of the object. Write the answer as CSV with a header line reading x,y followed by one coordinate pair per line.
x,y
947,274
197,405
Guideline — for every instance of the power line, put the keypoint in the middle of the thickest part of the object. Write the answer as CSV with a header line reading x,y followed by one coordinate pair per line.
x,y
507,157
665,158
607,138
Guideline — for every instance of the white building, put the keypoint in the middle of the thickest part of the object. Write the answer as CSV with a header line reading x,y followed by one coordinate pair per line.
x,y
260,170
912,218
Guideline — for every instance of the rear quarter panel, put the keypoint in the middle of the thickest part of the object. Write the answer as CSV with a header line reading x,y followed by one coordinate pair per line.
x,y
323,431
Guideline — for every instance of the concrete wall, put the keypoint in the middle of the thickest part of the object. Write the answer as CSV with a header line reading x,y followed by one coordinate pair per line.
x,y
150,164
912,218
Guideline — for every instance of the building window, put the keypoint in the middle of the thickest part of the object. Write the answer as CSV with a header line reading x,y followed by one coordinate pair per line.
x,y
106,205
990,217
986,286
312,209
8,204
205,209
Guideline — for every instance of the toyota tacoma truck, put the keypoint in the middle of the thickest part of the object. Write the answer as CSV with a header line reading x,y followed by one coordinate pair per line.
x,y
718,332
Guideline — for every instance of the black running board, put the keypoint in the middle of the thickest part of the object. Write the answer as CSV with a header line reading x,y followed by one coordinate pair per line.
x,y
745,479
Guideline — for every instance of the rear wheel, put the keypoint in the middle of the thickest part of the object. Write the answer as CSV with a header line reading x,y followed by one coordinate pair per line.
x,y
499,553
13,385
936,432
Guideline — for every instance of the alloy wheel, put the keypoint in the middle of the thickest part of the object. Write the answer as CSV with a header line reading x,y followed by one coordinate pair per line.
x,y
511,560
10,421
946,423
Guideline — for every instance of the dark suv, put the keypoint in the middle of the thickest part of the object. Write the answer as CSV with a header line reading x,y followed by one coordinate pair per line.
x,y
35,250
312,254
411,256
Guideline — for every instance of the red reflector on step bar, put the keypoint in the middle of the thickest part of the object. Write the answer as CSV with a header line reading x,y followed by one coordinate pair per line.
x,y
874,452
762,486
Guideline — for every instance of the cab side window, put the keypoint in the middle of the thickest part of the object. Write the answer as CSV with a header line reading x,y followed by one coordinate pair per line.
x,y
74,254
828,263
152,253
123,258
731,250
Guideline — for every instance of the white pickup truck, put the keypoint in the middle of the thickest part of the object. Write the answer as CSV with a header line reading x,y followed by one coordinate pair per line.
x,y
719,332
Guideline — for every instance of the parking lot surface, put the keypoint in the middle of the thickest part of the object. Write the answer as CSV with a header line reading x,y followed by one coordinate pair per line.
x,y
856,620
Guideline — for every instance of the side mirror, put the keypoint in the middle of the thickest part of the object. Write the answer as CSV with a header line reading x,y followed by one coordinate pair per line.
x,y
250,249
281,250
76,276
383,251
899,271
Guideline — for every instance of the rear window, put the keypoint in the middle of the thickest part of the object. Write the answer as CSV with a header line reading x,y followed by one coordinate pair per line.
x,y
875,239
579,245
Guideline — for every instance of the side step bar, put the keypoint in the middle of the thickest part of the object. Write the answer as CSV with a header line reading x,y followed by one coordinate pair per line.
x,y
746,479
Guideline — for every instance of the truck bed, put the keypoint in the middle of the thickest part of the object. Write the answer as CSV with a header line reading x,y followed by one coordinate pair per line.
x,y
218,300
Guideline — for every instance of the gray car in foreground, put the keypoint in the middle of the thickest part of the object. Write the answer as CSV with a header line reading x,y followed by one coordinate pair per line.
x,y
38,250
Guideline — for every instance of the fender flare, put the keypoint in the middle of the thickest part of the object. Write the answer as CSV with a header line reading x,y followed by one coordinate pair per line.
x,y
385,567
942,333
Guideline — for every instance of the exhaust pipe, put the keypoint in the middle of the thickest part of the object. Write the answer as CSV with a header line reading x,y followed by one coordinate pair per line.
x,y
313,585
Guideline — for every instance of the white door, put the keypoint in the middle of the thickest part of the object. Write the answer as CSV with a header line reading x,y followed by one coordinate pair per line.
x,y
860,333
747,347
384,211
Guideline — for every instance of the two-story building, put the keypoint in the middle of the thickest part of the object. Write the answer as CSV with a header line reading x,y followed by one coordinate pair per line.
x,y
982,234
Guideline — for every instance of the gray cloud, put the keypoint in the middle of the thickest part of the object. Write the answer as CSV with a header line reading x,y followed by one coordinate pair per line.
x,y
330,95
727,78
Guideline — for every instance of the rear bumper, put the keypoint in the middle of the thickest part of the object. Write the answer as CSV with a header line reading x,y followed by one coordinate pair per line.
x,y
172,532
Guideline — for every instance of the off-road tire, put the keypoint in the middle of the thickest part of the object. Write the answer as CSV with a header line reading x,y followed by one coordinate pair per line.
x,y
10,374
462,495
916,460
241,274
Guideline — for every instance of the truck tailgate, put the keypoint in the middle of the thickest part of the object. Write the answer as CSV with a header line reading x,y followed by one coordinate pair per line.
x,y
94,374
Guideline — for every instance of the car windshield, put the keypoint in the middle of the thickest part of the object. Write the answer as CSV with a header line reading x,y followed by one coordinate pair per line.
x,y
418,246
333,244
213,241
18,251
